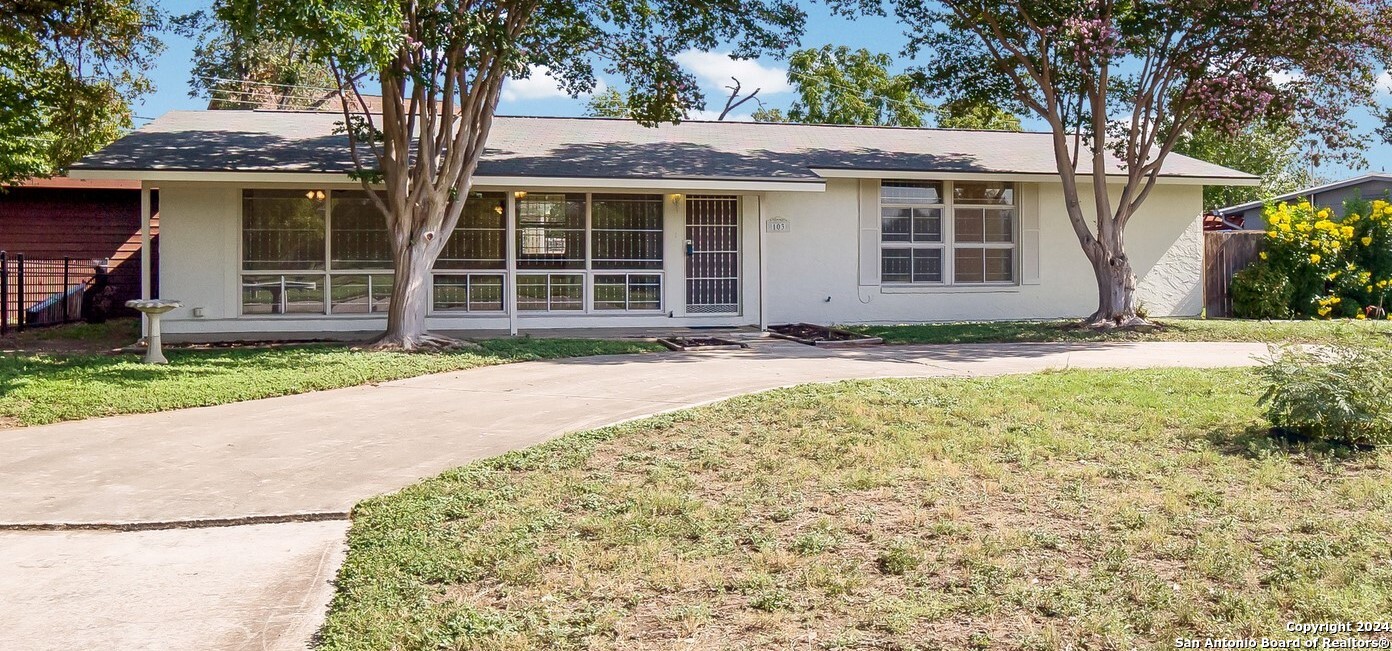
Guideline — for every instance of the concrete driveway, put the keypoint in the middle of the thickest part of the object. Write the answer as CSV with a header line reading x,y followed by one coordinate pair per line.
x,y
221,527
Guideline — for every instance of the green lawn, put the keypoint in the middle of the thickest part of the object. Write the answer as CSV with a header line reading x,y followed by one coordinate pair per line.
x,y
1378,333
38,388
1079,509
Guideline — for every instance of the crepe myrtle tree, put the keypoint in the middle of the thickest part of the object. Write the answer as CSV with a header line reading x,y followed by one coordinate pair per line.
x,y
440,67
1120,82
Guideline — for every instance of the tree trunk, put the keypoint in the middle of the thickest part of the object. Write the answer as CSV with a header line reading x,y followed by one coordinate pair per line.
x,y
1116,292
410,301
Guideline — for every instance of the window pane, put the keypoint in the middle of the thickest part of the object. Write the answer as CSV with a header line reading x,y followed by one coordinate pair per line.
x,y
358,238
927,224
911,192
895,224
999,225
531,293
895,265
1000,265
567,292
626,230
479,240
540,292
631,292
350,295
485,293
968,266
451,293
282,229
969,224
927,265
468,293
283,294
551,231
983,192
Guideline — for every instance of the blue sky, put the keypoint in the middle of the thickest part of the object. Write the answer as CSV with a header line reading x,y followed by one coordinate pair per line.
x,y
536,96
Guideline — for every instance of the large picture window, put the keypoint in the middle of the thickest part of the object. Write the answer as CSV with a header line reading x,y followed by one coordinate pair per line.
x,y
947,233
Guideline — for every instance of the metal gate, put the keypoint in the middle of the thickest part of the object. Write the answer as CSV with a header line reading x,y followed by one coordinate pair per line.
x,y
712,255
42,291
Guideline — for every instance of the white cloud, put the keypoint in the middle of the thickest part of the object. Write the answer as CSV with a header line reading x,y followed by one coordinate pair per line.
x,y
714,70
1384,82
539,84
1281,77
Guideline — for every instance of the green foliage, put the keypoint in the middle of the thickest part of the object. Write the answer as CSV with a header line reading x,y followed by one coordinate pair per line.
x,y
838,85
1337,394
1261,292
241,62
1270,150
968,114
608,103
68,73
1337,266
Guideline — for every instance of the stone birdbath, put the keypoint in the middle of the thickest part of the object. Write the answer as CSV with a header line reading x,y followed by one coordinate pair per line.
x,y
153,308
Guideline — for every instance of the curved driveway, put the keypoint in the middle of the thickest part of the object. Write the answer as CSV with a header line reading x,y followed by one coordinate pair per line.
x,y
313,456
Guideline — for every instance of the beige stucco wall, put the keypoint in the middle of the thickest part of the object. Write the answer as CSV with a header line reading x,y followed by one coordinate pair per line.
x,y
823,268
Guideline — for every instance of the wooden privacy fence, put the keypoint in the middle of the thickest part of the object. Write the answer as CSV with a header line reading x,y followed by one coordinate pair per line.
x,y
1226,253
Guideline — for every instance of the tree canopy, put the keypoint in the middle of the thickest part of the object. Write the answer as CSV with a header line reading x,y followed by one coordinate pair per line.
x,y
69,72
838,85
1269,150
963,114
241,62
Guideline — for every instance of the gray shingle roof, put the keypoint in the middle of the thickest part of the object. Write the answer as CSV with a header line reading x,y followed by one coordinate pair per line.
x,y
270,141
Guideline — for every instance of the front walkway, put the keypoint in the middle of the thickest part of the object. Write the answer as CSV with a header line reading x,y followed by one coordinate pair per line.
x,y
314,455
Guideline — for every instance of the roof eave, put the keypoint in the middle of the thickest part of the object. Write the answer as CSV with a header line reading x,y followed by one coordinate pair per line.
x,y
684,184
1025,177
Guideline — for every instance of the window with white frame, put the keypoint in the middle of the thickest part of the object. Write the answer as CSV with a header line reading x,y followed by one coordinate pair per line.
x,y
947,233
283,251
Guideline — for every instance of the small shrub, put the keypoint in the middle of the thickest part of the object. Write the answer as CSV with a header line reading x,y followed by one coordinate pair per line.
x,y
899,559
1261,292
1336,395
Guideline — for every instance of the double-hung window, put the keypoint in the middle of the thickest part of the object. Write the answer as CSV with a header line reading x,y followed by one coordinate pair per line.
x,y
948,233
911,231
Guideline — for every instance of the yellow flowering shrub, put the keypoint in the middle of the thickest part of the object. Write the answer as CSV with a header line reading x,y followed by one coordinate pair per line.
x,y
1337,267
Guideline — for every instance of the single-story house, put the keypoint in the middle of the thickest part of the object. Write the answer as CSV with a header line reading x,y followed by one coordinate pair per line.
x,y
84,220
1374,185
585,222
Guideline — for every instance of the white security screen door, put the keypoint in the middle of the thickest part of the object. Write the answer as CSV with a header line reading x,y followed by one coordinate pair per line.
x,y
712,255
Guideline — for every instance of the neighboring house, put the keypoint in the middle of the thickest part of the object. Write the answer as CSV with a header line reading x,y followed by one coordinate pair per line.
x,y
1376,185
581,222
86,220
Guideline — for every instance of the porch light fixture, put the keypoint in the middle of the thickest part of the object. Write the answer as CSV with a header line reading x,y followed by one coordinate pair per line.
x,y
315,195
520,194
676,199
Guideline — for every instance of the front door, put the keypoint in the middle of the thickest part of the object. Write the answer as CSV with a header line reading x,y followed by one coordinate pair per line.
x,y
712,255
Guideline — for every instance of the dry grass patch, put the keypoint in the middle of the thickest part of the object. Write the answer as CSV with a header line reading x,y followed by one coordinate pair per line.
x,y
1097,509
